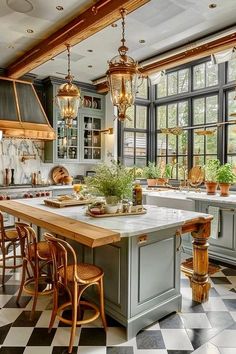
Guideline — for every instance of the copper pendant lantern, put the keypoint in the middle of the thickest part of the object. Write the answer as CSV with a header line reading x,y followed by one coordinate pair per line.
x,y
122,75
68,97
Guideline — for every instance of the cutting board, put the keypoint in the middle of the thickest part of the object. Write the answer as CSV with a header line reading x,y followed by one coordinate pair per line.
x,y
64,203
58,173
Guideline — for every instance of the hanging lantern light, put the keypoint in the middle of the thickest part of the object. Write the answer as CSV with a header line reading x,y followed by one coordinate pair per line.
x,y
68,97
122,75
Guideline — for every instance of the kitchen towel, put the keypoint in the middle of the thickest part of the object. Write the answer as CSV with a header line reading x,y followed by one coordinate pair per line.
x,y
215,224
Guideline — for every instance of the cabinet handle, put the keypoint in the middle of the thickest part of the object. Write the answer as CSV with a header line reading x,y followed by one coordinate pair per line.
x,y
227,209
142,239
178,234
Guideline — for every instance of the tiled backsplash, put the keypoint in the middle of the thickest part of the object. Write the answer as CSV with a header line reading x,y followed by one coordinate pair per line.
x,y
11,152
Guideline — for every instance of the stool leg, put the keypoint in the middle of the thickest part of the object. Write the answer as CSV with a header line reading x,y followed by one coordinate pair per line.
x,y
74,316
102,309
24,266
36,286
3,265
54,310
14,253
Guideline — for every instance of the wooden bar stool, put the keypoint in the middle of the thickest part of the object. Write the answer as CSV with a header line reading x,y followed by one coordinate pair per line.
x,y
74,279
8,239
37,260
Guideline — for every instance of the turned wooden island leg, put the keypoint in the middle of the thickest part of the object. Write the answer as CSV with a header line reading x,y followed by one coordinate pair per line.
x,y
199,280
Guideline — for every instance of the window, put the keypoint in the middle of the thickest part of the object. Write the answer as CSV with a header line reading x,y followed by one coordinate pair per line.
x,y
173,83
231,129
135,137
205,75
172,148
142,89
231,70
194,98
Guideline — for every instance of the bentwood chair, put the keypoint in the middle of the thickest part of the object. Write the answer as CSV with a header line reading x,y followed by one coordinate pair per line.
x,y
9,241
37,261
74,279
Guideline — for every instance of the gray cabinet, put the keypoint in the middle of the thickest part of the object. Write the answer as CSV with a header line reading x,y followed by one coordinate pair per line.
x,y
141,278
223,246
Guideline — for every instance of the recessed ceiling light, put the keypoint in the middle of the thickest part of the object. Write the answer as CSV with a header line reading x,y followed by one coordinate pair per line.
x,y
142,41
22,6
10,46
90,66
60,8
212,6
90,50
114,25
29,30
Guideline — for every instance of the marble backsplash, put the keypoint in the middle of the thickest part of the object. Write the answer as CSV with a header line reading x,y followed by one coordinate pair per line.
x,y
12,151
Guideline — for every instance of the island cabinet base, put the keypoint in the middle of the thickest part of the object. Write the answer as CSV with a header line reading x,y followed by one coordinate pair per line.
x,y
142,278
222,245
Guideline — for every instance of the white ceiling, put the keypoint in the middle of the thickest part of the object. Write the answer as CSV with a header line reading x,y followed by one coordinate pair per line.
x,y
163,24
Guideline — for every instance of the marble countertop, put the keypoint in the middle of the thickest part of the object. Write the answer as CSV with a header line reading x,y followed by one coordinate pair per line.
x,y
176,194
155,219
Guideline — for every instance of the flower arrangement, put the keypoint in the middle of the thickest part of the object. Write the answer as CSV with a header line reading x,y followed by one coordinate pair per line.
x,y
112,181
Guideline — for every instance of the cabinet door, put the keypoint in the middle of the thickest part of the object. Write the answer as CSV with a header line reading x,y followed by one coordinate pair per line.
x,y
92,139
226,228
67,142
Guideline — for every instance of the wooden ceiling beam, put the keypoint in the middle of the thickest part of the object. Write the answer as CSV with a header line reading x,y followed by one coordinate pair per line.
x,y
191,54
91,21
181,56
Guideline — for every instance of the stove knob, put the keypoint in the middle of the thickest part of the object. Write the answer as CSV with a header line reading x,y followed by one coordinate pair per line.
x,y
47,194
37,194
26,195
1,196
31,195
8,197
42,194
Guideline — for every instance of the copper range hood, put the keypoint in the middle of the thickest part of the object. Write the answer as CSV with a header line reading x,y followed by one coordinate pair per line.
x,y
21,112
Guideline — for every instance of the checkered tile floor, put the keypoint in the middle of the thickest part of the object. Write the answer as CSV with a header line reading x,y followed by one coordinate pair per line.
x,y
208,328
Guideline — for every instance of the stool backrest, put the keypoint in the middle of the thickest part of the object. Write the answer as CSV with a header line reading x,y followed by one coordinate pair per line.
x,y
28,241
62,255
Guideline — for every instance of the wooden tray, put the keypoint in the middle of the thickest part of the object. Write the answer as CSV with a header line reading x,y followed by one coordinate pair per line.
x,y
64,203
115,214
58,173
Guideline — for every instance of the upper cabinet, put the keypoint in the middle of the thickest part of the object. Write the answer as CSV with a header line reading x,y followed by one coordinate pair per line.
x,y
83,141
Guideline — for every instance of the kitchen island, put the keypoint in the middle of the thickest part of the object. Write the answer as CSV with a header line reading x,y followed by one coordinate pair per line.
x,y
140,255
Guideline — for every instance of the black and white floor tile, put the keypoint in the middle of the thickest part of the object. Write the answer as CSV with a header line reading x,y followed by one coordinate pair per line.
x,y
208,328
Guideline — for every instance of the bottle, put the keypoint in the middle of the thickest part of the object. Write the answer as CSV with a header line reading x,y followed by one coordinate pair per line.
x,y
137,194
39,179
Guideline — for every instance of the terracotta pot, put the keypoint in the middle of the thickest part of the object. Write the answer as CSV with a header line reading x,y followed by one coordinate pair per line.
x,y
211,187
162,181
224,189
152,182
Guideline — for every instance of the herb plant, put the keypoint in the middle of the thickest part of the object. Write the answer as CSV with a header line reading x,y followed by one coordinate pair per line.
x,y
225,174
211,169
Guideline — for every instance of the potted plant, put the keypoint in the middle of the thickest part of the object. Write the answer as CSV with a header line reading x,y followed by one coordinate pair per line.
x,y
151,172
211,169
225,177
165,173
112,181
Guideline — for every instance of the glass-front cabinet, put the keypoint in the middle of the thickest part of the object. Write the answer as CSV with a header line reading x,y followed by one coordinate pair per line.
x,y
92,142
67,141
83,141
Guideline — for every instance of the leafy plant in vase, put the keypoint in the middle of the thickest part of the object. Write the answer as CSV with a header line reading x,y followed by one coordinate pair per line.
x,y
151,172
165,174
225,177
114,182
211,169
